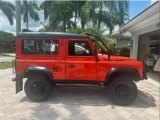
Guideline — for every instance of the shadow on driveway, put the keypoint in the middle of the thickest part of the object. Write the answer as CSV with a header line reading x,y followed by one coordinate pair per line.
x,y
91,96
72,102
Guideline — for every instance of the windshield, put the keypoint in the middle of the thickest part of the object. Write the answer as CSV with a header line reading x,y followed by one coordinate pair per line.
x,y
97,41
101,49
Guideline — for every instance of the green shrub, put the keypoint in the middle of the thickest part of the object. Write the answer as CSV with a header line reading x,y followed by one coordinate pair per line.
x,y
7,42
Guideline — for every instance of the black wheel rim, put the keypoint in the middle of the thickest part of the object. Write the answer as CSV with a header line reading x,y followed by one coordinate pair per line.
x,y
37,88
122,91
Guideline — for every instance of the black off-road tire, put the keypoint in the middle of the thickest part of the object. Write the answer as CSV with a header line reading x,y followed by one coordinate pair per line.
x,y
38,88
118,97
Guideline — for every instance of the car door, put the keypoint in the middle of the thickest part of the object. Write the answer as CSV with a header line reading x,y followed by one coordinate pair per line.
x,y
80,60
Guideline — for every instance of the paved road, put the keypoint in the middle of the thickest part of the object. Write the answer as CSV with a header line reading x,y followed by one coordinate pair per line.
x,y
6,58
76,103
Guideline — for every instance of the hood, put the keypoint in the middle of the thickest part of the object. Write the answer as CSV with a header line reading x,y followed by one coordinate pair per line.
x,y
114,58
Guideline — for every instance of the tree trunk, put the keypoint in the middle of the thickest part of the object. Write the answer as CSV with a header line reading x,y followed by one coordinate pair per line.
x,y
100,15
27,22
110,30
64,25
82,24
68,26
75,17
18,16
94,22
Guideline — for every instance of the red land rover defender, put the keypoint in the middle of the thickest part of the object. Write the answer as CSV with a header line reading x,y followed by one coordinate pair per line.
x,y
52,57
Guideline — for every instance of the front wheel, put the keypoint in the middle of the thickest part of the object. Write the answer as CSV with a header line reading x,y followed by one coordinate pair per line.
x,y
38,88
122,92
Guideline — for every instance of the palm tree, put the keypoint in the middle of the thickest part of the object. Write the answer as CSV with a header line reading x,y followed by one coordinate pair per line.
x,y
109,13
8,9
112,13
122,11
119,14
77,8
87,13
29,9
59,14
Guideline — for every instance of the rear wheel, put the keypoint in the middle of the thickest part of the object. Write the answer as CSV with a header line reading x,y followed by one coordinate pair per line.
x,y
122,92
38,88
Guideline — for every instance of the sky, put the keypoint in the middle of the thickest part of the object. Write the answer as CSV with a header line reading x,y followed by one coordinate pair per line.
x,y
135,7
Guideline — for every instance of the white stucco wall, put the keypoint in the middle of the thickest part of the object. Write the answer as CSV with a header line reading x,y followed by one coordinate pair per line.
x,y
134,48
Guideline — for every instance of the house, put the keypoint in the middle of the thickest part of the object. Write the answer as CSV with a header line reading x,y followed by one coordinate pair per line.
x,y
122,39
144,37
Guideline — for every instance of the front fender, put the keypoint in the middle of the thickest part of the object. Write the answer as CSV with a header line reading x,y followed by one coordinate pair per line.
x,y
125,71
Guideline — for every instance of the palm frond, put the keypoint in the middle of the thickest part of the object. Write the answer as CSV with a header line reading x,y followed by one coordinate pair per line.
x,y
30,9
8,9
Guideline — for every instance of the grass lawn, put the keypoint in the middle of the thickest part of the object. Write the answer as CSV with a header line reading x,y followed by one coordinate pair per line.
x,y
5,65
1,54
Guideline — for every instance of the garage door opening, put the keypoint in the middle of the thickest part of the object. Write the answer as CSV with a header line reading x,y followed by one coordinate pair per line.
x,y
149,50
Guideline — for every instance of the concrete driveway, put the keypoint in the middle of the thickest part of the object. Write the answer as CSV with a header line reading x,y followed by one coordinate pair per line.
x,y
76,103
154,78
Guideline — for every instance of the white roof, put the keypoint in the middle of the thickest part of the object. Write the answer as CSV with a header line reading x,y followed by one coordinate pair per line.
x,y
148,17
125,34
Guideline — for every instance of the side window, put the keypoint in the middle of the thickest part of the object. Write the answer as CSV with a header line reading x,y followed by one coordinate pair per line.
x,y
79,48
40,46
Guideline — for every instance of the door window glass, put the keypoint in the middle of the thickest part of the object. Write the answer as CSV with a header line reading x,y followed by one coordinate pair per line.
x,y
78,48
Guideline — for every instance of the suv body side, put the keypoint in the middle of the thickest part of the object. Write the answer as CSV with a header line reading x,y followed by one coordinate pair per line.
x,y
65,67
49,58
92,67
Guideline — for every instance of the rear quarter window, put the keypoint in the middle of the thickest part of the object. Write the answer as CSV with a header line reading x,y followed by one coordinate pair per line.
x,y
39,46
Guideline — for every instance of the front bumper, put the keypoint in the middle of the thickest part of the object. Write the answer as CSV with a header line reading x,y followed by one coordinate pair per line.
x,y
144,75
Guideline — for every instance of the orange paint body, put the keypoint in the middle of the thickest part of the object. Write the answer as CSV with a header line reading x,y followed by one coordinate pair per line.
x,y
66,67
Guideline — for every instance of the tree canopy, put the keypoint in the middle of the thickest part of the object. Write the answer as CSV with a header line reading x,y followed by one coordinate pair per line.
x,y
8,9
65,15
7,42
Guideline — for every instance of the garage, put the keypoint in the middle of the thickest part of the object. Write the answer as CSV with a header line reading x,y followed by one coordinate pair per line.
x,y
145,37
148,50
